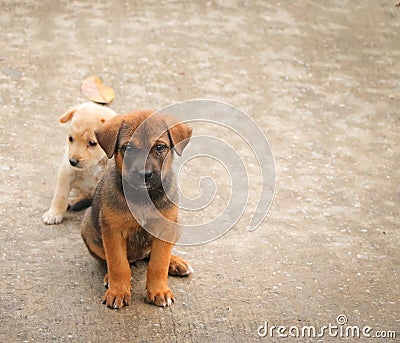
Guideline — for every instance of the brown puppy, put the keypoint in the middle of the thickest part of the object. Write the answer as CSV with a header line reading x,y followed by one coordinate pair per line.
x,y
137,187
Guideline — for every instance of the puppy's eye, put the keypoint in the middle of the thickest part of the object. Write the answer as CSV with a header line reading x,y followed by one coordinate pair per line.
x,y
126,147
92,143
71,139
160,148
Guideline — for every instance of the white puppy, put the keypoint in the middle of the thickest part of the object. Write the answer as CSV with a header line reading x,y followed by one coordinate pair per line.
x,y
84,161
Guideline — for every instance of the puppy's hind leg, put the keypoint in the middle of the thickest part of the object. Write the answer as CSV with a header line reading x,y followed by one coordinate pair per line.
x,y
179,267
92,237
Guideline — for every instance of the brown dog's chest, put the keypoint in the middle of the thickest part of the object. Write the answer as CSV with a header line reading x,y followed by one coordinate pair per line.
x,y
138,245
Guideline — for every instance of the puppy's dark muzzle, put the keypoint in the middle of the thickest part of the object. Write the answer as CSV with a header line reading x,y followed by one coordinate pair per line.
x,y
142,178
145,174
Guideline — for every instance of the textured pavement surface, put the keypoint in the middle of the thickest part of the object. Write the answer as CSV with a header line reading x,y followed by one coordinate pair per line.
x,y
322,80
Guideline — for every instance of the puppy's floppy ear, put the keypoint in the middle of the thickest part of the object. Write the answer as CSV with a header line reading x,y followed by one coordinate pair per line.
x,y
107,135
67,116
179,133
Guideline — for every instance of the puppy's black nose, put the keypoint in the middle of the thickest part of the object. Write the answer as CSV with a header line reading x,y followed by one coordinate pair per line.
x,y
146,173
74,162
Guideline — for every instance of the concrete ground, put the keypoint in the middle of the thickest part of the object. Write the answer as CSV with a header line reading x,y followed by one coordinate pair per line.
x,y
322,79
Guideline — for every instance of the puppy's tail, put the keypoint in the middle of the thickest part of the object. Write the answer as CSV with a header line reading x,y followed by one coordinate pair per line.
x,y
81,205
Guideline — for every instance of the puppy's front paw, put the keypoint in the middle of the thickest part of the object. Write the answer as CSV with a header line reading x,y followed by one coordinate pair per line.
x,y
163,298
179,267
117,296
50,217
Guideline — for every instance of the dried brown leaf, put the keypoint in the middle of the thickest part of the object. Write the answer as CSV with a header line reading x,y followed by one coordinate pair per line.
x,y
95,90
